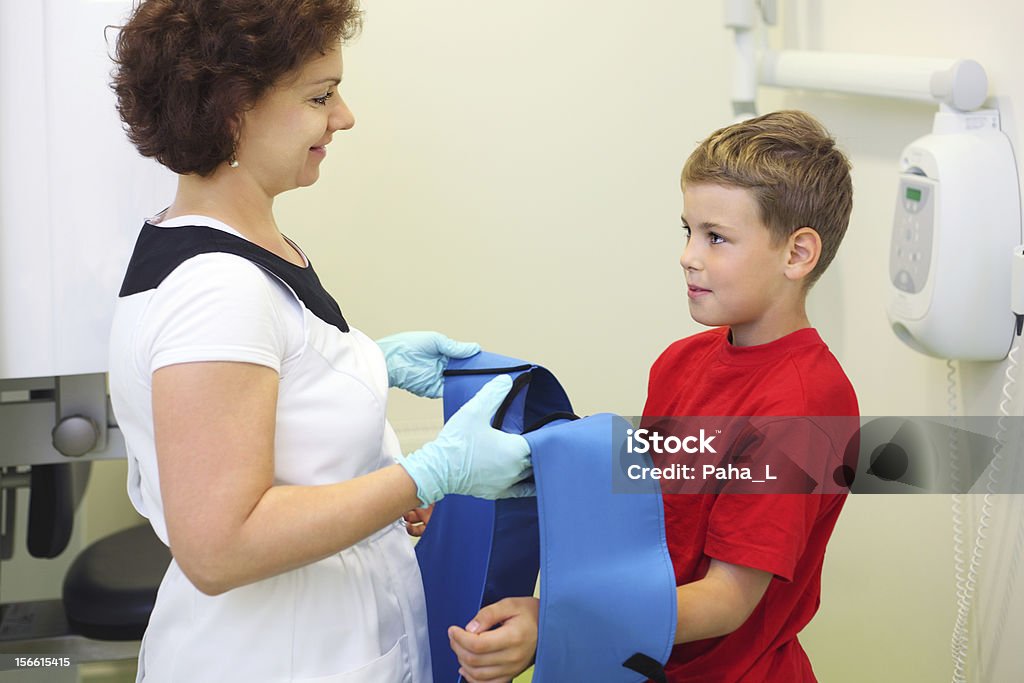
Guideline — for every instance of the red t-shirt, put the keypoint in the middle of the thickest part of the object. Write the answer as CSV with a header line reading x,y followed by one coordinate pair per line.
x,y
785,534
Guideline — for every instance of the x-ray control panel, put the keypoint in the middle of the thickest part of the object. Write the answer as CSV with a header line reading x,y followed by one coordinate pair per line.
x,y
912,236
956,222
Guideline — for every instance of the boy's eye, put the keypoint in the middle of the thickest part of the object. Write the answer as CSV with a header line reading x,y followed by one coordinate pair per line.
x,y
686,229
322,100
715,238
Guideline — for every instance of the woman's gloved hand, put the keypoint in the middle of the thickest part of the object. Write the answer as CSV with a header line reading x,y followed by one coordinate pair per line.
x,y
472,458
416,360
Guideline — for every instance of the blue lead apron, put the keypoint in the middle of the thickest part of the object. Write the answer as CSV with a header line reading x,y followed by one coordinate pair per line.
x,y
608,594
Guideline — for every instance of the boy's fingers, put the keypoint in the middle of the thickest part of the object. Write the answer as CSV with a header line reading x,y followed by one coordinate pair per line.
x,y
416,520
460,640
425,513
475,650
491,615
489,648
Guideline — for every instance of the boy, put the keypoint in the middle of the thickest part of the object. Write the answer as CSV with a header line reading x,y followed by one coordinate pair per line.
x,y
766,204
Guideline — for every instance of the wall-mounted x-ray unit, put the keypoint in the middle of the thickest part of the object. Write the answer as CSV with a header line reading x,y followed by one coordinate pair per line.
x,y
72,195
958,214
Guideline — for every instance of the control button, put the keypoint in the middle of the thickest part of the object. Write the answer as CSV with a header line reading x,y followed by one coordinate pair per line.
x,y
904,281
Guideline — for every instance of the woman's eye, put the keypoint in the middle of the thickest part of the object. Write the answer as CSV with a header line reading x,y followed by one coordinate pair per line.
x,y
322,100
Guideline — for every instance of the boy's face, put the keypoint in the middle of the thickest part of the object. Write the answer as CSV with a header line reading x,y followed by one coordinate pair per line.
x,y
735,274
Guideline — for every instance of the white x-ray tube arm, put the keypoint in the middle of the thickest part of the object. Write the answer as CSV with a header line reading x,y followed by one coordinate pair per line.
x,y
959,83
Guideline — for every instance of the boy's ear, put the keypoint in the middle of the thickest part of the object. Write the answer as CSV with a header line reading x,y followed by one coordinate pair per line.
x,y
803,250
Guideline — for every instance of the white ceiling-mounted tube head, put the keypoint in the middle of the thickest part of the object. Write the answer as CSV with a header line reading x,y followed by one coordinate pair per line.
x,y
963,86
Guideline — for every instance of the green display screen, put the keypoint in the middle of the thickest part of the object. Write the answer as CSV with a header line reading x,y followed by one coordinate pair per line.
x,y
914,194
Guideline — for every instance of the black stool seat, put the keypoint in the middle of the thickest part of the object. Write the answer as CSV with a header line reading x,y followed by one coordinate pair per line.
x,y
110,589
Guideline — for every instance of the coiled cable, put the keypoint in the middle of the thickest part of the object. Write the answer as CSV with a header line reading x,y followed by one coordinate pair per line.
x,y
967,577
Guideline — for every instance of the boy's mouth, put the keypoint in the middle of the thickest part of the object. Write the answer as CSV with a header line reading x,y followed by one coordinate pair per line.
x,y
694,292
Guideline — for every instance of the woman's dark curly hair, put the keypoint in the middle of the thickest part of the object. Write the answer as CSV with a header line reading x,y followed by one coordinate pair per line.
x,y
187,68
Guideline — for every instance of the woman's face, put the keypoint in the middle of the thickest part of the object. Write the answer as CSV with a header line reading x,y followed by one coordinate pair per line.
x,y
284,137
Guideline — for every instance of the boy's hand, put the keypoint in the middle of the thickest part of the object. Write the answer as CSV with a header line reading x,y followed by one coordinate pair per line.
x,y
416,520
493,656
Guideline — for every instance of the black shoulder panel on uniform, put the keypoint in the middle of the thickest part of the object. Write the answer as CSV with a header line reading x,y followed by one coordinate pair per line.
x,y
159,251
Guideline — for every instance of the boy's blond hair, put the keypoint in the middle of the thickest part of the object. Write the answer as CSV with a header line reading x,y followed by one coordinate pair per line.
x,y
793,169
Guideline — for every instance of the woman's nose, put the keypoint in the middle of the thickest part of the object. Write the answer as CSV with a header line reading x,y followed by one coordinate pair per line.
x,y
342,117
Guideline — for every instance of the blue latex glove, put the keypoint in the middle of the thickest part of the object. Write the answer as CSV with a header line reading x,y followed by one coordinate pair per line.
x,y
471,457
416,360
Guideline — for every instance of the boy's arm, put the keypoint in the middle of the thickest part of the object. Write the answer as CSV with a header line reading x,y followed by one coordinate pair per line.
x,y
719,603
714,606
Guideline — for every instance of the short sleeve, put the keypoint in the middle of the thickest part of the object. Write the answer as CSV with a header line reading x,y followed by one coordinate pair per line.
x,y
767,532
214,307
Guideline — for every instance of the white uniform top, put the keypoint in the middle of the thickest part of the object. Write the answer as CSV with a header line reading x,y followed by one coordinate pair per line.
x,y
356,617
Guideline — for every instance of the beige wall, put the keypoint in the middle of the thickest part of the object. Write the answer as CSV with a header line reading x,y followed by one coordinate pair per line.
x,y
512,179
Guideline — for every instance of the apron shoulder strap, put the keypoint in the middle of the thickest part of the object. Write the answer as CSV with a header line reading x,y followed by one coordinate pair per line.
x,y
158,251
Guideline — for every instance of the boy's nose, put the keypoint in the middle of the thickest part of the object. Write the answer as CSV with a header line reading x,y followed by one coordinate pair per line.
x,y
688,259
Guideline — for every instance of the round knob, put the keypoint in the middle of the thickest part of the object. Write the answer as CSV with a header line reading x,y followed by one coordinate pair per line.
x,y
76,435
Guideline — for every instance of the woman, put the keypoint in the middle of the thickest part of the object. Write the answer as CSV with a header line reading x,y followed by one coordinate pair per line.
x,y
253,413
